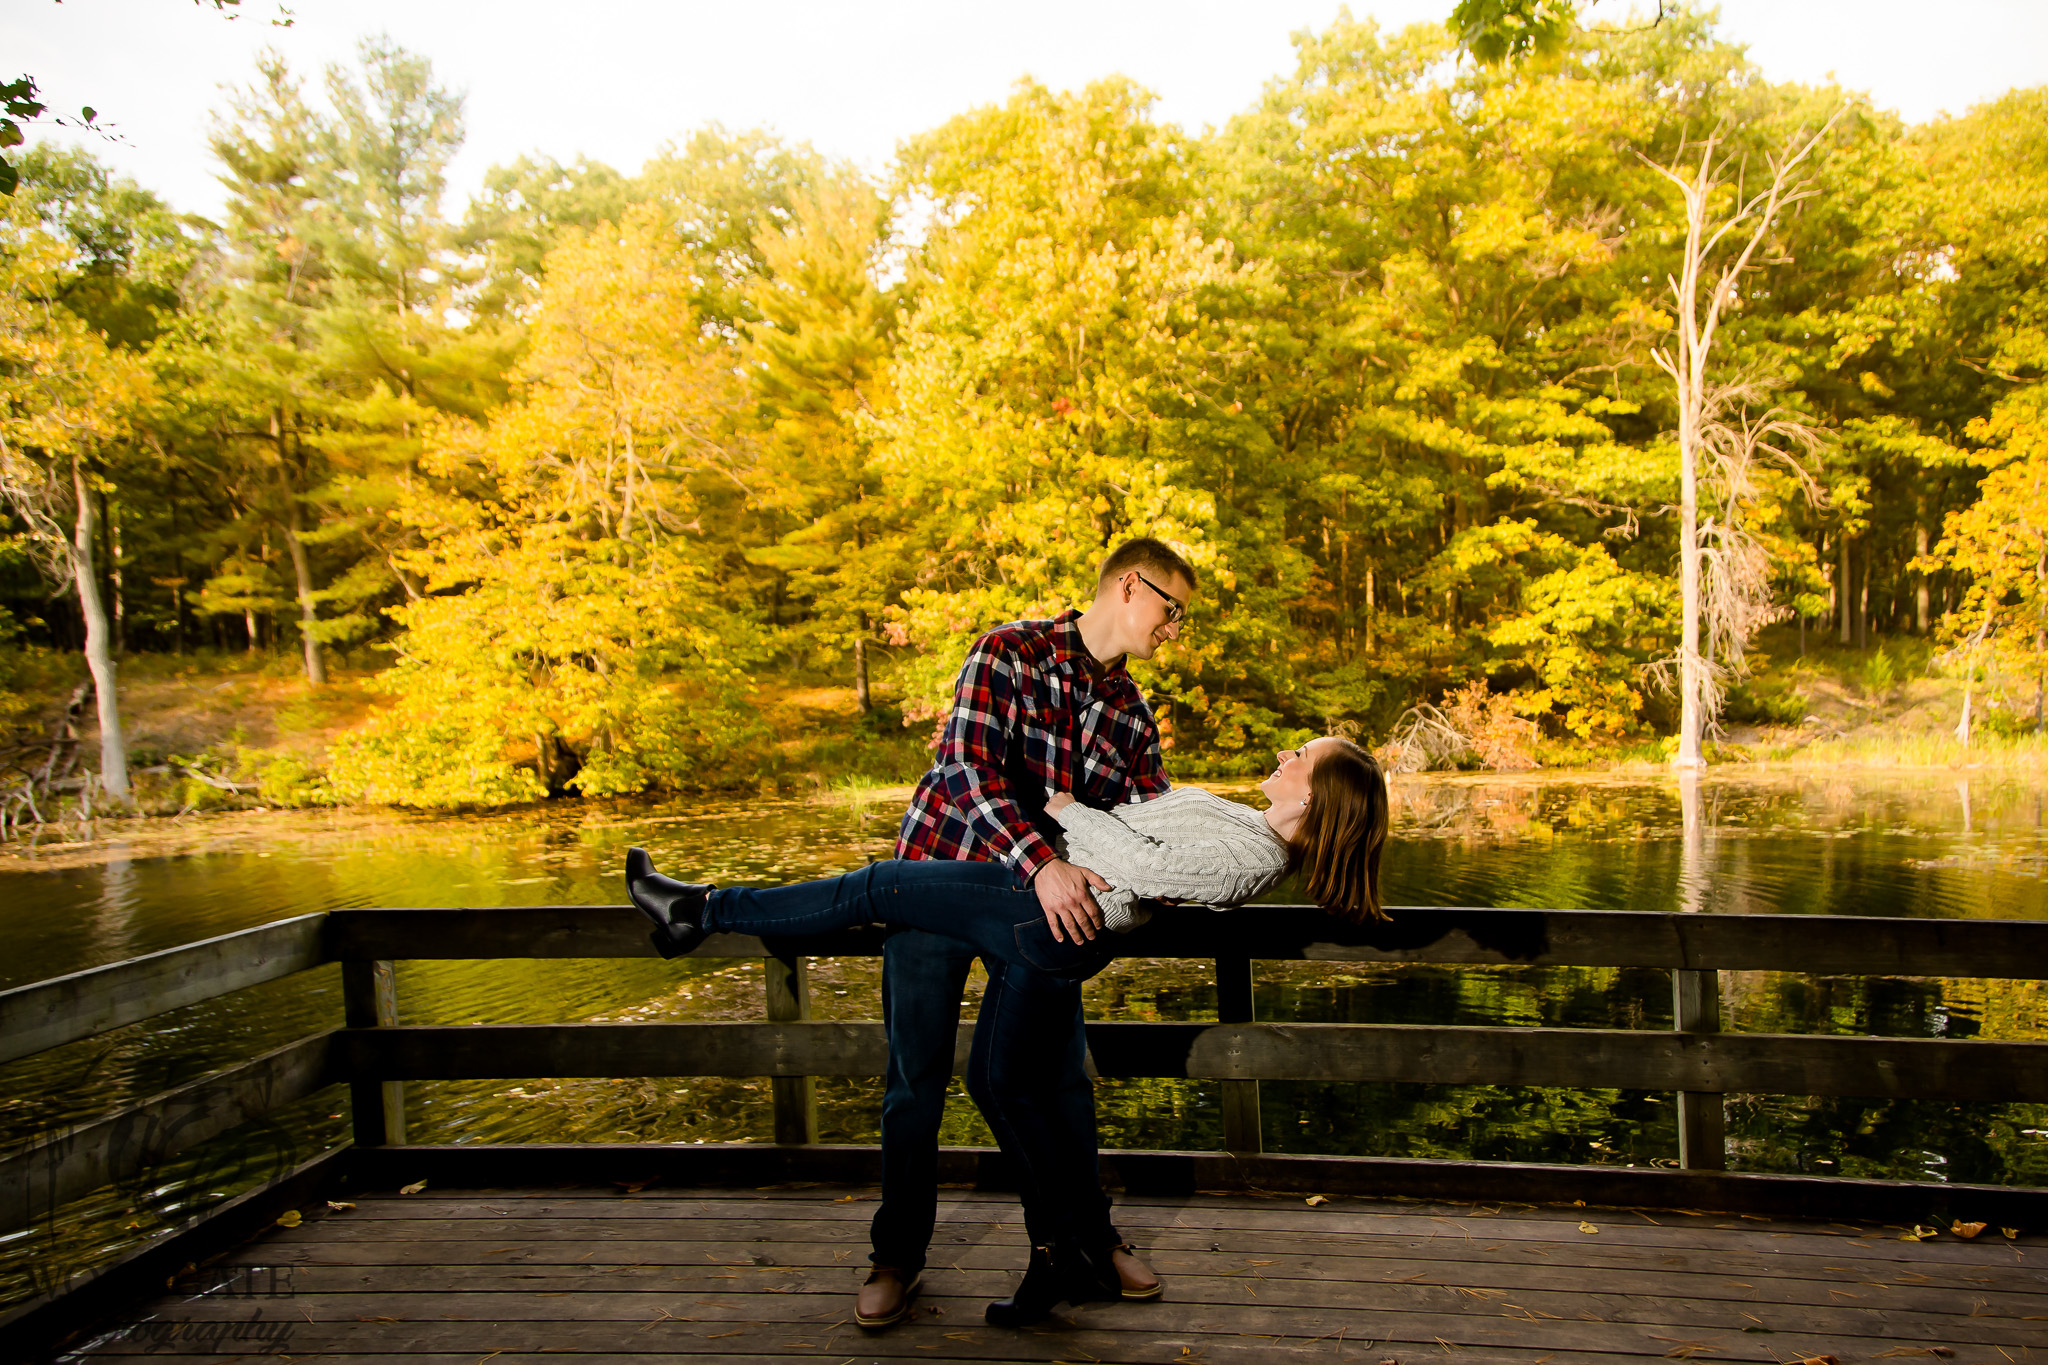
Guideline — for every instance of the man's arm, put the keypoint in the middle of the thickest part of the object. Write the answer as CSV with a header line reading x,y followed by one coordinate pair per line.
x,y
970,762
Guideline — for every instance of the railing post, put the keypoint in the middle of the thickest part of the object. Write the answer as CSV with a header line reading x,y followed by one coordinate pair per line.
x,y
369,999
796,1097
1240,1098
1702,1120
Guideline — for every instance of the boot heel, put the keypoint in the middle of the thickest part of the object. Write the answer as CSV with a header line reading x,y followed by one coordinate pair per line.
x,y
1056,1274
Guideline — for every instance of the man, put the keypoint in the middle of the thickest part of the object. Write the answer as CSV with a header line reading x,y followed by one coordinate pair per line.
x,y
1040,707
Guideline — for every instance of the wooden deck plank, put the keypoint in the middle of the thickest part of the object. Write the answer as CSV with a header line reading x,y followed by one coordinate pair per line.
x,y
992,1270
845,1201
1809,1197
769,1274
1855,1318
1355,1256
1877,1244
1119,1332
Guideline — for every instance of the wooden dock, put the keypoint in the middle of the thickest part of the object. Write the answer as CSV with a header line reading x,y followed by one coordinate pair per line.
x,y
514,1276
752,1251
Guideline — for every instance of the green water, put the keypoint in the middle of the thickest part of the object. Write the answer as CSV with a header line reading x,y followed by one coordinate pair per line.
x,y
1927,845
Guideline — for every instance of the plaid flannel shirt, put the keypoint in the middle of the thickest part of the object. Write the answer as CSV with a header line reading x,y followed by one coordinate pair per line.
x,y
1084,730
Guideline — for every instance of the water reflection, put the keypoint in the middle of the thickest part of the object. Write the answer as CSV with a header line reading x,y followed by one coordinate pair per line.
x,y
1818,844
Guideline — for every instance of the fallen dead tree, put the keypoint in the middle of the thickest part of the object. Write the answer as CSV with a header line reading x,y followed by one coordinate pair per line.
x,y
35,772
1473,728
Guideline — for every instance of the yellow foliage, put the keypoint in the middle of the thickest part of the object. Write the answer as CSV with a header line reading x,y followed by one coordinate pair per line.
x,y
63,391
2001,542
571,597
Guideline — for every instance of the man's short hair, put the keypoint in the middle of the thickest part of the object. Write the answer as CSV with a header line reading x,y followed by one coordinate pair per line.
x,y
1141,553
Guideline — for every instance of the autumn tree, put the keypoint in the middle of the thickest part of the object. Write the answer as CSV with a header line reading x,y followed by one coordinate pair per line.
x,y
328,347
65,398
2000,544
1063,364
821,378
521,214
573,609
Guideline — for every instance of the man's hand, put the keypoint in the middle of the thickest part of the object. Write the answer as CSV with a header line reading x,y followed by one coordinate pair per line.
x,y
1069,902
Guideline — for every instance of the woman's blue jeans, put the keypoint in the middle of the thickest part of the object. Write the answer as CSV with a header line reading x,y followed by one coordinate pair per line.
x,y
1024,1070
982,904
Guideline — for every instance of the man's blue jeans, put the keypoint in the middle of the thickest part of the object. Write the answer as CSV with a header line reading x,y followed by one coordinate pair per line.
x,y
1041,1112
1027,1068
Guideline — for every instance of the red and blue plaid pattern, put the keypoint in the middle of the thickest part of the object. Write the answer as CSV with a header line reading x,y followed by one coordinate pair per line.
x,y
1084,730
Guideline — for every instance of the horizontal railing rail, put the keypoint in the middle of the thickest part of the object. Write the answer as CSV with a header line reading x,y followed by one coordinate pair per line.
x,y
1587,1059
64,1009
1840,945
136,1141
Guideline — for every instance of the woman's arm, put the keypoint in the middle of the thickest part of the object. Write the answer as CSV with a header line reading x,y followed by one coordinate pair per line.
x,y
1209,865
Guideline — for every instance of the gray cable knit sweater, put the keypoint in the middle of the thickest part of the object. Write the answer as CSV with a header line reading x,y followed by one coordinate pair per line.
x,y
1187,845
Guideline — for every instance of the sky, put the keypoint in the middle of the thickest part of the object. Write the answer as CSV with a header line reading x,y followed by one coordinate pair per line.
x,y
616,79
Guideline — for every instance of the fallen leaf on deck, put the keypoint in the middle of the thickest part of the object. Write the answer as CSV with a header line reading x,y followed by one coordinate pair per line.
x,y
340,1204
1919,1234
2010,1234
1587,1228
1311,1201
632,1186
413,1188
1966,1230
290,1218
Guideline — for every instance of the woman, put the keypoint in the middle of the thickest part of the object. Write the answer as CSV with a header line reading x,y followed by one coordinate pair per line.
x,y
1327,819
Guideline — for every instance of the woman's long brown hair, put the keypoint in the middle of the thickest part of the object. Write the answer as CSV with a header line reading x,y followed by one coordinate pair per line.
x,y
1337,847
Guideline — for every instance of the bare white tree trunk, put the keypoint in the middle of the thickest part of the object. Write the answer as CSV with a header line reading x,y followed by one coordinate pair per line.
x,y
302,567
99,654
1698,404
1921,544
309,616
1692,721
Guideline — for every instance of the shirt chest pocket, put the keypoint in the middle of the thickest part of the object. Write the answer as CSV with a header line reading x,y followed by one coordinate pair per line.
x,y
1104,766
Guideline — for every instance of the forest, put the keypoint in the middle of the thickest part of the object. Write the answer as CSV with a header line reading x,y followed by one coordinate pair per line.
x,y
1398,357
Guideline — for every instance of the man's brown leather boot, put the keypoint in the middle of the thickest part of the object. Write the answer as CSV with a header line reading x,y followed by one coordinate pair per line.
x,y
884,1298
1134,1277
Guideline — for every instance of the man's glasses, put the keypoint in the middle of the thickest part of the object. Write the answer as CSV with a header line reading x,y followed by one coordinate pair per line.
x,y
1176,610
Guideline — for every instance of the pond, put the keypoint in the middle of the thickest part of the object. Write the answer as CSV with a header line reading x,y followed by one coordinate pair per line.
x,y
1928,844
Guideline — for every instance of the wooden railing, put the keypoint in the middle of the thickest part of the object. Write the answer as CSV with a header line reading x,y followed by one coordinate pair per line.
x,y
376,1056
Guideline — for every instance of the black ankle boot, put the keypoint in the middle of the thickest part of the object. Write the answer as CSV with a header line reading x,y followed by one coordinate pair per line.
x,y
677,908
1057,1274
